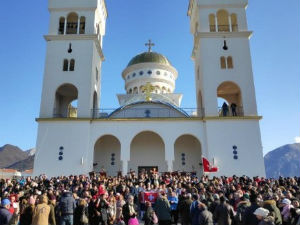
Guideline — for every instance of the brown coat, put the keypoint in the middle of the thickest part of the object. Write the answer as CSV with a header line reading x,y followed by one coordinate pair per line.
x,y
41,214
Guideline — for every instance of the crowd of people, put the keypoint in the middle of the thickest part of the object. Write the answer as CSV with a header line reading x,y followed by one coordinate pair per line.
x,y
150,198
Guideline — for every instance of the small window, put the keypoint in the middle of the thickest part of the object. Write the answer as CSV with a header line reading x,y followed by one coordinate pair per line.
x,y
61,28
223,62
229,62
157,72
82,25
72,64
65,65
128,77
149,72
141,73
133,75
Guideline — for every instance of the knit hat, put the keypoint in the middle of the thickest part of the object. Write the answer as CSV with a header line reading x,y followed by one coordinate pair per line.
x,y
286,201
261,212
5,202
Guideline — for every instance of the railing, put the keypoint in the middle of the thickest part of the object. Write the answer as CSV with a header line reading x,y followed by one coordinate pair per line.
x,y
223,28
230,111
147,113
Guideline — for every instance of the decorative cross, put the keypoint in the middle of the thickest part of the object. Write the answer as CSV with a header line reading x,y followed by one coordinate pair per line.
x,y
149,44
148,88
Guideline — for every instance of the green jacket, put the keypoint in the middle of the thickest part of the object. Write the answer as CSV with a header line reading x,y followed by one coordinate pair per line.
x,y
274,211
162,209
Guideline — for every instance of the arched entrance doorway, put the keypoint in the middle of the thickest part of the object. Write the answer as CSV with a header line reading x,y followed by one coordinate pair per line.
x,y
188,154
107,152
147,150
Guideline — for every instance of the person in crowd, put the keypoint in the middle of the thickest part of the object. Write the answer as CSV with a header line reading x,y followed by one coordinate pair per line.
x,y
41,212
195,210
66,208
249,217
262,215
225,109
81,213
173,200
149,217
27,212
184,209
233,107
205,216
223,213
5,214
270,204
286,207
130,209
162,209
101,209
52,204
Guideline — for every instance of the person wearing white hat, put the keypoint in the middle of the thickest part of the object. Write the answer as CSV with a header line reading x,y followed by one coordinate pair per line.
x,y
262,215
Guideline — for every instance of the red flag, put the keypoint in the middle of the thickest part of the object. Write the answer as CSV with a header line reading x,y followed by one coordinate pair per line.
x,y
150,196
207,168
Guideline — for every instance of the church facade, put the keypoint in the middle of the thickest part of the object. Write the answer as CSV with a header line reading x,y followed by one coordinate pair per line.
x,y
149,129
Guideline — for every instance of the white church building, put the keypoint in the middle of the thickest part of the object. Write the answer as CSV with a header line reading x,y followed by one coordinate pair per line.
x,y
149,129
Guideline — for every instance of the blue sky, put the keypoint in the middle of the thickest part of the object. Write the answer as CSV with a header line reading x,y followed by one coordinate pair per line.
x,y
275,49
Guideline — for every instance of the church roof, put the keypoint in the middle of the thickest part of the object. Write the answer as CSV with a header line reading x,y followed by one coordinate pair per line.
x,y
149,57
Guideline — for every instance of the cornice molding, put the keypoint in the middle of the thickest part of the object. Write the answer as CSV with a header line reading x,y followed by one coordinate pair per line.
x,y
76,37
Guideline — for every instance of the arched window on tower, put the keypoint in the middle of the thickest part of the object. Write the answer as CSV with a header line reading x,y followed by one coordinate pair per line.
x,y
82,25
66,101
223,62
72,64
135,90
230,99
65,65
72,23
61,25
229,62
223,21
130,91
212,24
234,24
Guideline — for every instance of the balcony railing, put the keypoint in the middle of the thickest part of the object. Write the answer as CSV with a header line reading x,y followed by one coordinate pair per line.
x,y
230,111
147,113
223,28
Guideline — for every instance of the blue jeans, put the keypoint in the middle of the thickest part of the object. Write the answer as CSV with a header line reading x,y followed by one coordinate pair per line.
x,y
66,220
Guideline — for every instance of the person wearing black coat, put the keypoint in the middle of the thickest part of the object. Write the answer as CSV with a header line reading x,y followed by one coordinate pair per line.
x,y
250,218
79,211
101,210
223,213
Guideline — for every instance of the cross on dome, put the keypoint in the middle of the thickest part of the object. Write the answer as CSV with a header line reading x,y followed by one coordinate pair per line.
x,y
149,44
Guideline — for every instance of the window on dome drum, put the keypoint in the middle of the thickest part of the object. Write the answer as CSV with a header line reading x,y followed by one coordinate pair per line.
x,y
212,23
133,75
135,90
128,77
65,65
229,62
157,72
223,62
130,91
61,26
149,72
82,25
141,73
72,64
72,23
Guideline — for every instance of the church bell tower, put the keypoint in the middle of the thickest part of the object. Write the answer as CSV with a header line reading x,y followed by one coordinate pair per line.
x,y
224,85
71,85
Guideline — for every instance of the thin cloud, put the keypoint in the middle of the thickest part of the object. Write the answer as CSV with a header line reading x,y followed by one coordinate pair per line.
x,y
297,139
